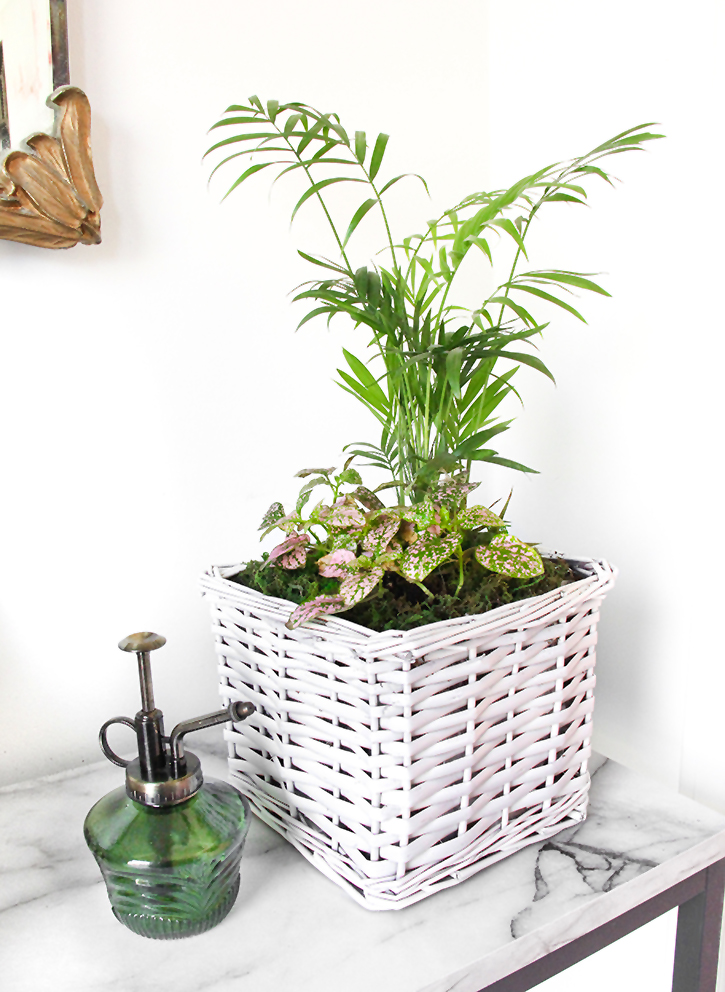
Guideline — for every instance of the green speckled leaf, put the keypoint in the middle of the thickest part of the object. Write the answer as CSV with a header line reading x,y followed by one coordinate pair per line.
x,y
350,476
317,481
451,490
422,514
273,514
507,555
316,607
393,551
304,472
319,513
343,540
356,587
426,554
478,516
367,498
288,523
302,500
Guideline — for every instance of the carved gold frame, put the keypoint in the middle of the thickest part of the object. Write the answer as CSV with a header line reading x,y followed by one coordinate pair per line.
x,y
48,191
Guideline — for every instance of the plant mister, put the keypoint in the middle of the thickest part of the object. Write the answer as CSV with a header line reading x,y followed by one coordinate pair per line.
x,y
169,844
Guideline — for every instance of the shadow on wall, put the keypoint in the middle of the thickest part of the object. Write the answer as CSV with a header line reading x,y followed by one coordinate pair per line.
x,y
624,688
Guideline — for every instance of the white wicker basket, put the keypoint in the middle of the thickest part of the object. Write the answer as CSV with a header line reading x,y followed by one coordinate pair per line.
x,y
400,763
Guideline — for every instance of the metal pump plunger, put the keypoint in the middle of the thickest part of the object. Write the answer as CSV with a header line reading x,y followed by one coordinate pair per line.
x,y
163,774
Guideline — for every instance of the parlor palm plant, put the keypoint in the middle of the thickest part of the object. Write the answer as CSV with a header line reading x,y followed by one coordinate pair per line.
x,y
432,372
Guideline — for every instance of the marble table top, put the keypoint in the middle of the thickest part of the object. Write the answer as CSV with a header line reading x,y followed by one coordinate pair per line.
x,y
292,928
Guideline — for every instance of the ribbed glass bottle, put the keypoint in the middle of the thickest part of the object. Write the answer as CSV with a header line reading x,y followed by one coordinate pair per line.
x,y
174,871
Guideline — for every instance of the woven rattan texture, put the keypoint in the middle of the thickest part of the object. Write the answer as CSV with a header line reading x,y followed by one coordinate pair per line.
x,y
401,762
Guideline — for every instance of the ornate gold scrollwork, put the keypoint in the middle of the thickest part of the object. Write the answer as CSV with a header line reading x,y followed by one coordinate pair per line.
x,y
48,195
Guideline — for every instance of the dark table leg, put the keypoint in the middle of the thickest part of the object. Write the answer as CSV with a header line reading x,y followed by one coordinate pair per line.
x,y
700,902
699,921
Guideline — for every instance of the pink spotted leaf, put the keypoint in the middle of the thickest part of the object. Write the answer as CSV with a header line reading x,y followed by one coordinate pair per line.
x,y
345,516
380,534
295,559
354,588
509,556
337,565
426,554
291,553
316,607
478,516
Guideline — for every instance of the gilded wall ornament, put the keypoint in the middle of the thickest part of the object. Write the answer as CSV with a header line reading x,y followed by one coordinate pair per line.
x,y
48,194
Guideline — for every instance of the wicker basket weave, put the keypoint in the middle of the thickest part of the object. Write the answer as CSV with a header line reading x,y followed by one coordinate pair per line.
x,y
400,763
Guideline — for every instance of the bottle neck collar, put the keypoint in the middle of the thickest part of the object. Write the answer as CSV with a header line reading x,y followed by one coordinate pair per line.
x,y
166,791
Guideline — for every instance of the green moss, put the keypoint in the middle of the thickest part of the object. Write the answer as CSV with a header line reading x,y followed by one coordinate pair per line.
x,y
399,605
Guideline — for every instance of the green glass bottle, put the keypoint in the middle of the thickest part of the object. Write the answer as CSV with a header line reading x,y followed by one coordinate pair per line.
x,y
169,844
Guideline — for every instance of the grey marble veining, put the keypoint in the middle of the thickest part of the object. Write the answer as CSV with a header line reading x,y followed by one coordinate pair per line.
x,y
292,928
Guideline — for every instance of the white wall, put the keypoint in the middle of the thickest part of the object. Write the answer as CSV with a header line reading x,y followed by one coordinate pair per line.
x,y
146,383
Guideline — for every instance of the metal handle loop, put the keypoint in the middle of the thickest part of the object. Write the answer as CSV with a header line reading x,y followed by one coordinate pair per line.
x,y
105,746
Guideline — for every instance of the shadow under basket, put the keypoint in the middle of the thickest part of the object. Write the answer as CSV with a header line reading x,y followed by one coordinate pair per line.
x,y
400,763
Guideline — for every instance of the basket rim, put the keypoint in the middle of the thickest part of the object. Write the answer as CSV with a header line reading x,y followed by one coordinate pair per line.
x,y
598,579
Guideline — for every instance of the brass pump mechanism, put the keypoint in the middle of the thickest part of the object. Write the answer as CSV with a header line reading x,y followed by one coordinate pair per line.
x,y
164,773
